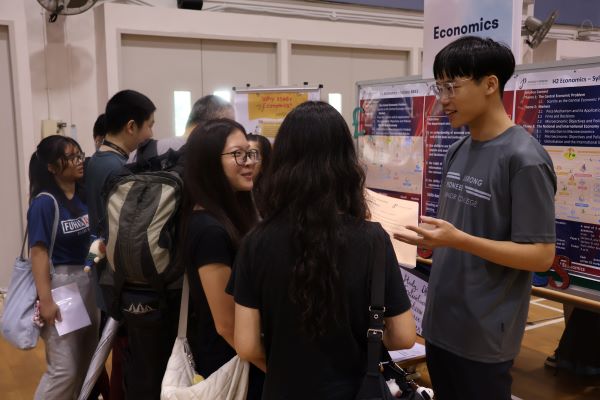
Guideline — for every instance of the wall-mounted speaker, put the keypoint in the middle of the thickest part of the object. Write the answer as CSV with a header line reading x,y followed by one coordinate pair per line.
x,y
190,4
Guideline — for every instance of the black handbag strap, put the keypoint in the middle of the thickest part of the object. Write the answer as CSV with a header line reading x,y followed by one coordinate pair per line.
x,y
377,307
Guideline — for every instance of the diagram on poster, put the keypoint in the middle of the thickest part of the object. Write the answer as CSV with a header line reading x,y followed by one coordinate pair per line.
x,y
578,184
560,108
393,163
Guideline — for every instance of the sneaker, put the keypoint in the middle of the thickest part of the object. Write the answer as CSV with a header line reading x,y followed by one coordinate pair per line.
x,y
551,361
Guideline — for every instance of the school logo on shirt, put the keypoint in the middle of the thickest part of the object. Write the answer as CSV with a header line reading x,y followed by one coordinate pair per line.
x,y
464,189
75,225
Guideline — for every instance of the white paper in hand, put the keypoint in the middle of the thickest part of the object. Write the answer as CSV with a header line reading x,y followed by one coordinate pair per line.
x,y
417,351
393,214
72,310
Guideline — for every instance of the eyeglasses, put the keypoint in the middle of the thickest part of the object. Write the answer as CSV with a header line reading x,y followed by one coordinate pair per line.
x,y
446,89
241,156
75,159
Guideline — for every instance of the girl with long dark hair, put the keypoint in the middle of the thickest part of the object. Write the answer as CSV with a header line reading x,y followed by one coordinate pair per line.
x,y
263,146
217,212
55,170
302,286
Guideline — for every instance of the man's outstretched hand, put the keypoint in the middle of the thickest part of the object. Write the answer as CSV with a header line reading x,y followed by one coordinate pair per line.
x,y
431,233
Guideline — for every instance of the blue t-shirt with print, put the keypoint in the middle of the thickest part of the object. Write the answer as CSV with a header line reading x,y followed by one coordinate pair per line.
x,y
73,234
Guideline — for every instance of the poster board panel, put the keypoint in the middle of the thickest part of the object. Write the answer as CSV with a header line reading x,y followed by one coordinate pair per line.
x,y
560,108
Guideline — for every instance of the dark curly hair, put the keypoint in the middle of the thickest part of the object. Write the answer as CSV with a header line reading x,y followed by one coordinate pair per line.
x,y
313,181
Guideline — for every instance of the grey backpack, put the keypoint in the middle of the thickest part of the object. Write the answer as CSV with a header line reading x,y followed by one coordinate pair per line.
x,y
142,212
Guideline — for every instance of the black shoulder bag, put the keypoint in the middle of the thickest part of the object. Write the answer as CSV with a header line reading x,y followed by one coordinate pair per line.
x,y
380,367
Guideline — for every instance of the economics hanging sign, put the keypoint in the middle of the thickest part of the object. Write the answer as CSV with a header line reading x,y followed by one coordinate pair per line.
x,y
447,20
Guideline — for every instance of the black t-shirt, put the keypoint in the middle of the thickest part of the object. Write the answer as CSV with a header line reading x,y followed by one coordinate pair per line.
x,y
207,243
331,367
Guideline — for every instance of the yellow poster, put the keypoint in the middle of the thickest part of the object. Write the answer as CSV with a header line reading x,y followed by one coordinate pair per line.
x,y
268,128
273,105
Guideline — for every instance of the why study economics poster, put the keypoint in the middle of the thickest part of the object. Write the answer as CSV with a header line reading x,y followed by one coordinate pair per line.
x,y
261,111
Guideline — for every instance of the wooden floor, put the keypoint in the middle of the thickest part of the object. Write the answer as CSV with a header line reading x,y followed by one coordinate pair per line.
x,y
533,381
20,371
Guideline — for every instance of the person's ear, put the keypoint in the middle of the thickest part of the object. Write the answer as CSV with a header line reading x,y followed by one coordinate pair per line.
x,y
131,125
492,84
52,169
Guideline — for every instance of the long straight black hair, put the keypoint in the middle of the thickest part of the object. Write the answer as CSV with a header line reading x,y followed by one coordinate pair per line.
x,y
52,151
313,180
206,184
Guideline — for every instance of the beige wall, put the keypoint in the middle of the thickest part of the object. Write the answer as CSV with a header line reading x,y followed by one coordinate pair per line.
x,y
200,66
338,68
557,50
63,71
268,50
569,49
10,199
15,129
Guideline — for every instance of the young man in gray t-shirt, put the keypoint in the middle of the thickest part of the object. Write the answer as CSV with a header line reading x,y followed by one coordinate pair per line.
x,y
495,225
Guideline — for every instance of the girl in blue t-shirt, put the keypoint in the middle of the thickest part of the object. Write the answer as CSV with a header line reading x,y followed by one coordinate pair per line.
x,y
56,168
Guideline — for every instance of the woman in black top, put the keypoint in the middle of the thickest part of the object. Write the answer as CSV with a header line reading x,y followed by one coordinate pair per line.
x,y
217,211
302,277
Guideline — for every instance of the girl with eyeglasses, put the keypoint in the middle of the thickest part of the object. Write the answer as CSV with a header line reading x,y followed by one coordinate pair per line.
x,y
217,211
55,170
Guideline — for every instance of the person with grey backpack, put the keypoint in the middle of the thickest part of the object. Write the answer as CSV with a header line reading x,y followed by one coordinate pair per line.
x,y
140,228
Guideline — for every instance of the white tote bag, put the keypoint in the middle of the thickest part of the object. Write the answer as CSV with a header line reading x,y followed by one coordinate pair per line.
x,y
230,382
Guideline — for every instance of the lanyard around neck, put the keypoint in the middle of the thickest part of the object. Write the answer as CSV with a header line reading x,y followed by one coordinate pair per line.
x,y
113,146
